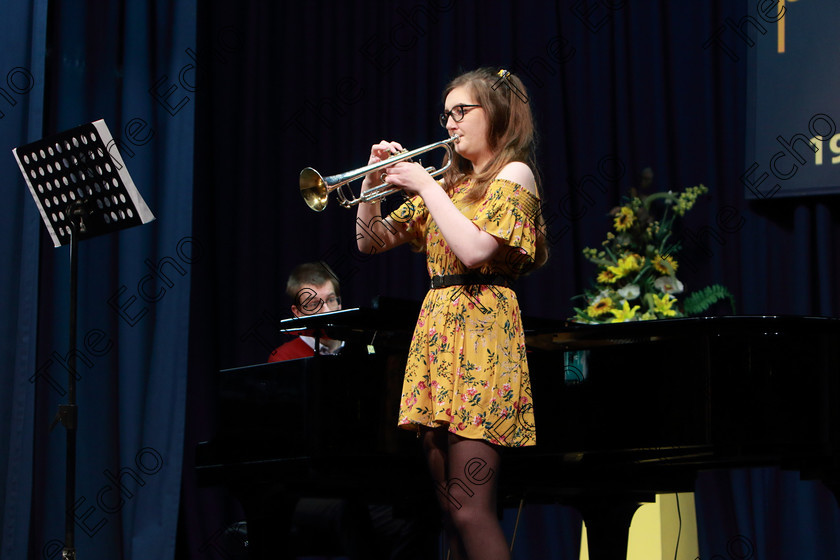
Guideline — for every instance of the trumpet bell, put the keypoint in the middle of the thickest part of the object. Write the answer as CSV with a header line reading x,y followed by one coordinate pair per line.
x,y
313,189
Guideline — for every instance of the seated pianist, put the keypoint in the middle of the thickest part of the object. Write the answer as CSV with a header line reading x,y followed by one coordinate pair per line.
x,y
313,288
332,525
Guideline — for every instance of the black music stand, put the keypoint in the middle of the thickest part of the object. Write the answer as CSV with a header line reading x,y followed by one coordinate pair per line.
x,y
82,189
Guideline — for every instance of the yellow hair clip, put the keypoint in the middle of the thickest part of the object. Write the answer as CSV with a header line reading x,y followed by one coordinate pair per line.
x,y
506,76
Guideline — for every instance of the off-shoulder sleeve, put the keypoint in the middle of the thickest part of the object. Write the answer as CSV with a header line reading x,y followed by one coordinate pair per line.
x,y
509,211
413,216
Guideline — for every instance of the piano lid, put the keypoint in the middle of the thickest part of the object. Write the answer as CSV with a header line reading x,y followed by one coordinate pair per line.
x,y
578,335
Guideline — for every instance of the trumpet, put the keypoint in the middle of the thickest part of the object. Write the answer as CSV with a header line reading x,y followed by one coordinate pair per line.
x,y
316,189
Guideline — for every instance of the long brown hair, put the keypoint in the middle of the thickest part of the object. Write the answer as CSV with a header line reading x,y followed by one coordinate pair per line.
x,y
511,135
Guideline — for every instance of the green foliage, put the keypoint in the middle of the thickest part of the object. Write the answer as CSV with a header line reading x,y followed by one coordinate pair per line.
x,y
701,300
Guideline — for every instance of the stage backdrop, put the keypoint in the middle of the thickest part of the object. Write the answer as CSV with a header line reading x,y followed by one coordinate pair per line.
x,y
217,111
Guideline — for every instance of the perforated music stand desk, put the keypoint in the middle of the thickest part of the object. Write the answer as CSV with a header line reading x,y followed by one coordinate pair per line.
x,y
82,188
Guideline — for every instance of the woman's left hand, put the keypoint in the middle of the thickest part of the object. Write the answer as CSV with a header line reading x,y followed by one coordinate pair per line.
x,y
410,177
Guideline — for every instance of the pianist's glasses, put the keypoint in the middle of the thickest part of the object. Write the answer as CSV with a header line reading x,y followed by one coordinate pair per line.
x,y
315,305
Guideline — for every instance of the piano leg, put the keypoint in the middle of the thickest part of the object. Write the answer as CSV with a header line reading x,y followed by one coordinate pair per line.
x,y
608,525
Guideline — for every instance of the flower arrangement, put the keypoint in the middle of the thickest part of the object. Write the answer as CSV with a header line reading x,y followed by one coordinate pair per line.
x,y
637,268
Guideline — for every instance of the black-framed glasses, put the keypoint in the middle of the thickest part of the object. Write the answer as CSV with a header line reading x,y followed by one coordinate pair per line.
x,y
457,113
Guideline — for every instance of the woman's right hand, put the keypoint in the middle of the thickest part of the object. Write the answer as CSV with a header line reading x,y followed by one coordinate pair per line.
x,y
379,152
376,233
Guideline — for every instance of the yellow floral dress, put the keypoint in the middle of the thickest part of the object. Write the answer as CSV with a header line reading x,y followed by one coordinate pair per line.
x,y
467,366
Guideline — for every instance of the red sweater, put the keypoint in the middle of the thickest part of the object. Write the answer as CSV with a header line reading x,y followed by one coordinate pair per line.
x,y
292,350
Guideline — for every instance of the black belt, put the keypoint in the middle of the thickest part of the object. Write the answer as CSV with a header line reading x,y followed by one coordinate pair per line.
x,y
468,280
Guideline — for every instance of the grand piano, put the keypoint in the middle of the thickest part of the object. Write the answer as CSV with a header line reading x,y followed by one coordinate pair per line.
x,y
623,412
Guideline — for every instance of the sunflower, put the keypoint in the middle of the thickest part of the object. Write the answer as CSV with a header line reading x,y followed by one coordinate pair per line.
x,y
624,219
599,307
606,277
665,264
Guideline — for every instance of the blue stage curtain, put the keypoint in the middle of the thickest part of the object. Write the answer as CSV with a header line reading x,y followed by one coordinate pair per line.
x,y
128,63
22,56
751,514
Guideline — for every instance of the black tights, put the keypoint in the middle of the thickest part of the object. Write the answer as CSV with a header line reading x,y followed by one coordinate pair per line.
x,y
466,477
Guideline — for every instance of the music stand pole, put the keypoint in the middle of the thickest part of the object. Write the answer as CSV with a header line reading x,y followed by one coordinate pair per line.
x,y
68,414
